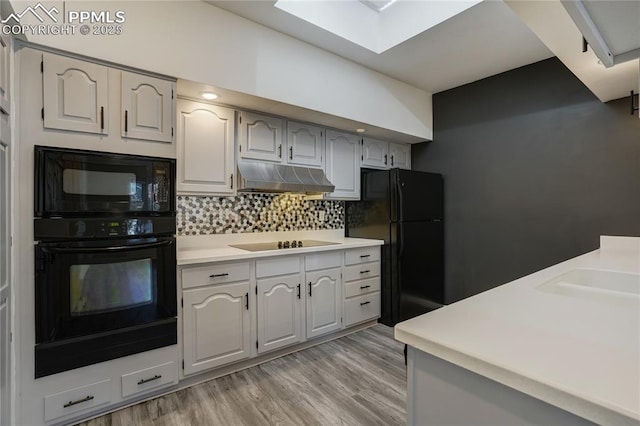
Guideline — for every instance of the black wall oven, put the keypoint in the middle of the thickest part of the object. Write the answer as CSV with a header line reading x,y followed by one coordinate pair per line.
x,y
105,258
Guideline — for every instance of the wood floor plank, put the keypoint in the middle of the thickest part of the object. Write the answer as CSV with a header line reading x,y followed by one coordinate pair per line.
x,y
359,379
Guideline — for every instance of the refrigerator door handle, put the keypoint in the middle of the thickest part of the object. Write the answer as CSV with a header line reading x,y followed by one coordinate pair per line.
x,y
400,239
400,201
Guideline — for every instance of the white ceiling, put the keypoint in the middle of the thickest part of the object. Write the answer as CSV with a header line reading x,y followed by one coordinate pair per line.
x,y
482,41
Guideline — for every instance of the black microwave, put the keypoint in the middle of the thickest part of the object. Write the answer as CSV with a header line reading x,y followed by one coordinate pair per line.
x,y
79,183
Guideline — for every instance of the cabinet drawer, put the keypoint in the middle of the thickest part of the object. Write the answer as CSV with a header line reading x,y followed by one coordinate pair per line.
x,y
148,379
360,287
361,308
277,266
215,274
359,272
77,399
362,255
313,262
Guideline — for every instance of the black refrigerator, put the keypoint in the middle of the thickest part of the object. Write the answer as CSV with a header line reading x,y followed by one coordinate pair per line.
x,y
404,208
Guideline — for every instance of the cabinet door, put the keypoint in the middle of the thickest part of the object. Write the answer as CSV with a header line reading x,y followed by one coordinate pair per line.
x,y
343,165
147,107
205,148
75,95
280,312
5,57
305,145
5,323
324,297
400,156
375,153
216,326
259,137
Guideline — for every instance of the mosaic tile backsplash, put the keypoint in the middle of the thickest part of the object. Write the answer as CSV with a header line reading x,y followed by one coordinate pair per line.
x,y
204,215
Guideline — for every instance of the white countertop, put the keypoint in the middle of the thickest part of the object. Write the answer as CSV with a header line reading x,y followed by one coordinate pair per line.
x,y
579,352
216,248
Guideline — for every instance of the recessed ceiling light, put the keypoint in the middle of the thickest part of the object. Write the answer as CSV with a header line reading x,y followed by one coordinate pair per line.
x,y
360,130
209,95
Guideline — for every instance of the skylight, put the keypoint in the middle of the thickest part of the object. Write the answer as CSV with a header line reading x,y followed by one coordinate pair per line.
x,y
373,24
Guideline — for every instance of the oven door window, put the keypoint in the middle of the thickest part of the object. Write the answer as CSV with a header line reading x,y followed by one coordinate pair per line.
x,y
84,288
110,287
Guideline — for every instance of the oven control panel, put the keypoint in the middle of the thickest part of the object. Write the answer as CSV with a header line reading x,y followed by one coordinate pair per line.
x,y
111,228
86,228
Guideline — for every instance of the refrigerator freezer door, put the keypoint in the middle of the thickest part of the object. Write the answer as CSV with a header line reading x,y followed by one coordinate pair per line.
x,y
420,268
416,196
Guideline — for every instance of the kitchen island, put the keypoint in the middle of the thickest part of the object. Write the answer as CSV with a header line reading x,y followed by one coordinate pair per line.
x,y
560,346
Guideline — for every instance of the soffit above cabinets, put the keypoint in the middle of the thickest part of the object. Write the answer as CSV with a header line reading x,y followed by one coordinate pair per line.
x,y
611,28
193,90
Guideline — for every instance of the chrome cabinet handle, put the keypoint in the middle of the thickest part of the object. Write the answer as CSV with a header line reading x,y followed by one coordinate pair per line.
x,y
79,401
156,377
218,275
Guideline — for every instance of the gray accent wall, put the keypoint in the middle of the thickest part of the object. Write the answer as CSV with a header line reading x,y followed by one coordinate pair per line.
x,y
536,168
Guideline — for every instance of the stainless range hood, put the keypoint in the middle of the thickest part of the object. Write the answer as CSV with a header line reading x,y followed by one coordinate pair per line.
x,y
267,177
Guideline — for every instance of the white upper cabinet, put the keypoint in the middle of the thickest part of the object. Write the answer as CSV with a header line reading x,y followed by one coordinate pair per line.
x,y
205,148
375,153
305,145
324,302
147,107
260,137
5,58
343,165
400,156
76,94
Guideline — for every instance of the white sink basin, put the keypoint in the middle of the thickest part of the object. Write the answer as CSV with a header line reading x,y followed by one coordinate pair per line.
x,y
595,284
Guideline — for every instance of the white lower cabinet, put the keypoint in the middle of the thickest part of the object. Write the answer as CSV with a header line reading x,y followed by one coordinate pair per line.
x,y
273,303
324,294
361,308
148,379
77,399
280,312
216,324
362,285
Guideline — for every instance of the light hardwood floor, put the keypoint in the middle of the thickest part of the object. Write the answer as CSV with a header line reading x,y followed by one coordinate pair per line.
x,y
359,379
